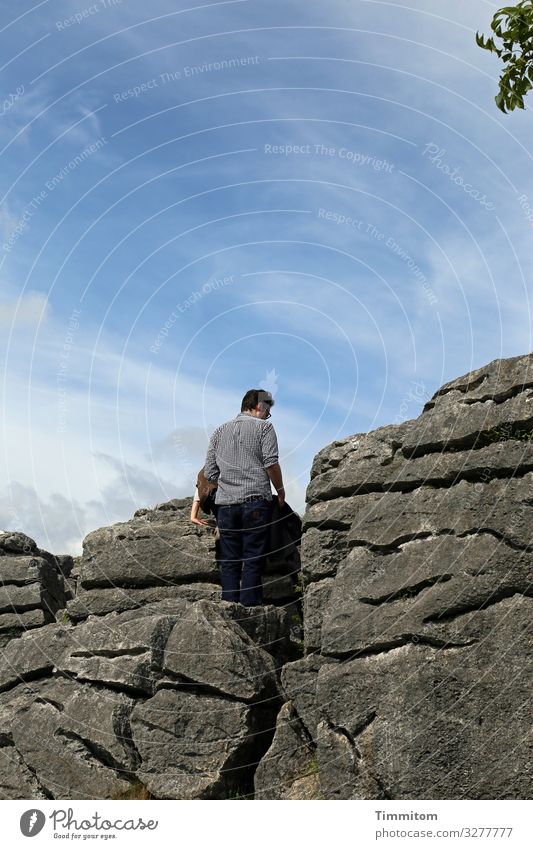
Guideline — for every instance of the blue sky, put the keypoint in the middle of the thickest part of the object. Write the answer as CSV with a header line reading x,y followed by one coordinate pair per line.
x,y
198,198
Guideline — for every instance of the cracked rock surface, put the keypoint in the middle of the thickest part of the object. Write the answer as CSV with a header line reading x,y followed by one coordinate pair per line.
x,y
174,699
32,585
144,684
417,561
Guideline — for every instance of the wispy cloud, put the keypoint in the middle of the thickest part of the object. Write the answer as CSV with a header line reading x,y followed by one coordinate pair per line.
x,y
29,309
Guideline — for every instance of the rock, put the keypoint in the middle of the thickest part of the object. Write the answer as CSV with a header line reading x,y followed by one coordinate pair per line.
x,y
12,625
141,553
34,655
188,743
419,592
300,679
436,469
101,601
207,648
461,413
31,586
432,723
322,552
65,564
16,780
122,649
15,542
277,589
288,770
204,696
81,749
19,598
270,627
315,601
417,572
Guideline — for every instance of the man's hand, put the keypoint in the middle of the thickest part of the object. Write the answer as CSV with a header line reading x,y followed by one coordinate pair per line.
x,y
281,496
197,521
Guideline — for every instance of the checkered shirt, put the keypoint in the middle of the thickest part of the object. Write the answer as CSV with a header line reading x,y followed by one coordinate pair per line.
x,y
238,455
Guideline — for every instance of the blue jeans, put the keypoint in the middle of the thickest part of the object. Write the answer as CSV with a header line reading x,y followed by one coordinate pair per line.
x,y
243,547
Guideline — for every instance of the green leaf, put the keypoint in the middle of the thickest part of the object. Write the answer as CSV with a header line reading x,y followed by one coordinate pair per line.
x,y
513,27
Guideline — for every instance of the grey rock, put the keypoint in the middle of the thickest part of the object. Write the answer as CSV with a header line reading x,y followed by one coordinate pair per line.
x,y
277,589
315,602
13,598
381,601
269,626
497,381
20,570
33,655
72,739
427,723
189,743
121,650
31,587
378,446
497,396
207,647
15,542
417,563
299,681
16,780
288,770
12,625
322,552
102,600
138,554
355,476
65,564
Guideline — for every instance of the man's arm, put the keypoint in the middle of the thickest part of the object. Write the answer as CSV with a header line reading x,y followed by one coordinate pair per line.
x,y
211,470
274,473
269,445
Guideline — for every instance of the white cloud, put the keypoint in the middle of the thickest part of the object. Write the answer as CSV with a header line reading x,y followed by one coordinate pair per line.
x,y
30,309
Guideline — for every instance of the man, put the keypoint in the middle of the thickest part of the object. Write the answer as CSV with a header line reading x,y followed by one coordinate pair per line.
x,y
242,458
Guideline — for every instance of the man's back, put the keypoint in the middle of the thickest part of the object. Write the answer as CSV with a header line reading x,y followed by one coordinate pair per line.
x,y
243,458
239,453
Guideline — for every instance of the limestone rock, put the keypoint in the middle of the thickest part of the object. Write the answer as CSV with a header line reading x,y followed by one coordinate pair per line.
x,y
288,770
74,740
417,565
31,586
208,648
195,746
174,696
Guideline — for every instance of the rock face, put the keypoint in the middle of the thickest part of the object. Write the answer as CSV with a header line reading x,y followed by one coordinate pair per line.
x,y
32,587
417,564
129,678
147,685
175,698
